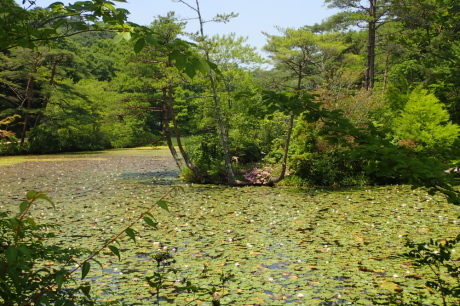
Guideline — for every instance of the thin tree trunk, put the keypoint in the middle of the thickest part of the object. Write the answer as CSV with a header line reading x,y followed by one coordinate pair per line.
x,y
24,128
387,66
287,142
29,97
222,134
48,95
286,151
167,131
370,67
188,163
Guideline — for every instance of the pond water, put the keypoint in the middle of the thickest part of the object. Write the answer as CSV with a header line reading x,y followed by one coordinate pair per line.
x,y
283,245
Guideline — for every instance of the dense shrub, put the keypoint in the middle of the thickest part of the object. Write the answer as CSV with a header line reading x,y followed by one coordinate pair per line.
x,y
332,168
318,162
12,146
50,139
339,153
425,123
205,152
24,279
245,151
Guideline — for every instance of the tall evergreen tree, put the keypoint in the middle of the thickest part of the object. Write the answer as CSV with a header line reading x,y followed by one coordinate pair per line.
x,y
371,15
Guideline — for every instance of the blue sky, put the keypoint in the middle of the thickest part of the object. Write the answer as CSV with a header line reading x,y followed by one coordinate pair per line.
x,y
254,17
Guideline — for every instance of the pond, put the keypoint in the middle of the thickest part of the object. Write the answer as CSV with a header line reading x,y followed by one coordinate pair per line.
x,y
282,245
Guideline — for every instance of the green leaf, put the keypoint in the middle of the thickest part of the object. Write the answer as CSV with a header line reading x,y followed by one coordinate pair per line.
x,y
126,36
85,269
23,206
115,251
163,204
85,289
45,197
181,62
151,222
140,43
15,277
200,65
11,254
25,43
109,6
59,280
31,222
25,251
131,233
151,39
214,67
122,35
174,55
56,4
190,70
31,194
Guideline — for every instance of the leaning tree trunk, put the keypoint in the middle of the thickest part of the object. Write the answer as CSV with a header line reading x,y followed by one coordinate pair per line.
x,y
222,134
287,142
188,162
167,131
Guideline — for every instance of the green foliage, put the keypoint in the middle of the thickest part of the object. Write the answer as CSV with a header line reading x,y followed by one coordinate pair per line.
x,y
12,146
68,137
320,163
28,264
206,153
56,101
331,168
244,151
294,181
425,121
90,115
368,150
385,162
166,278
28,28
302,58
442,260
